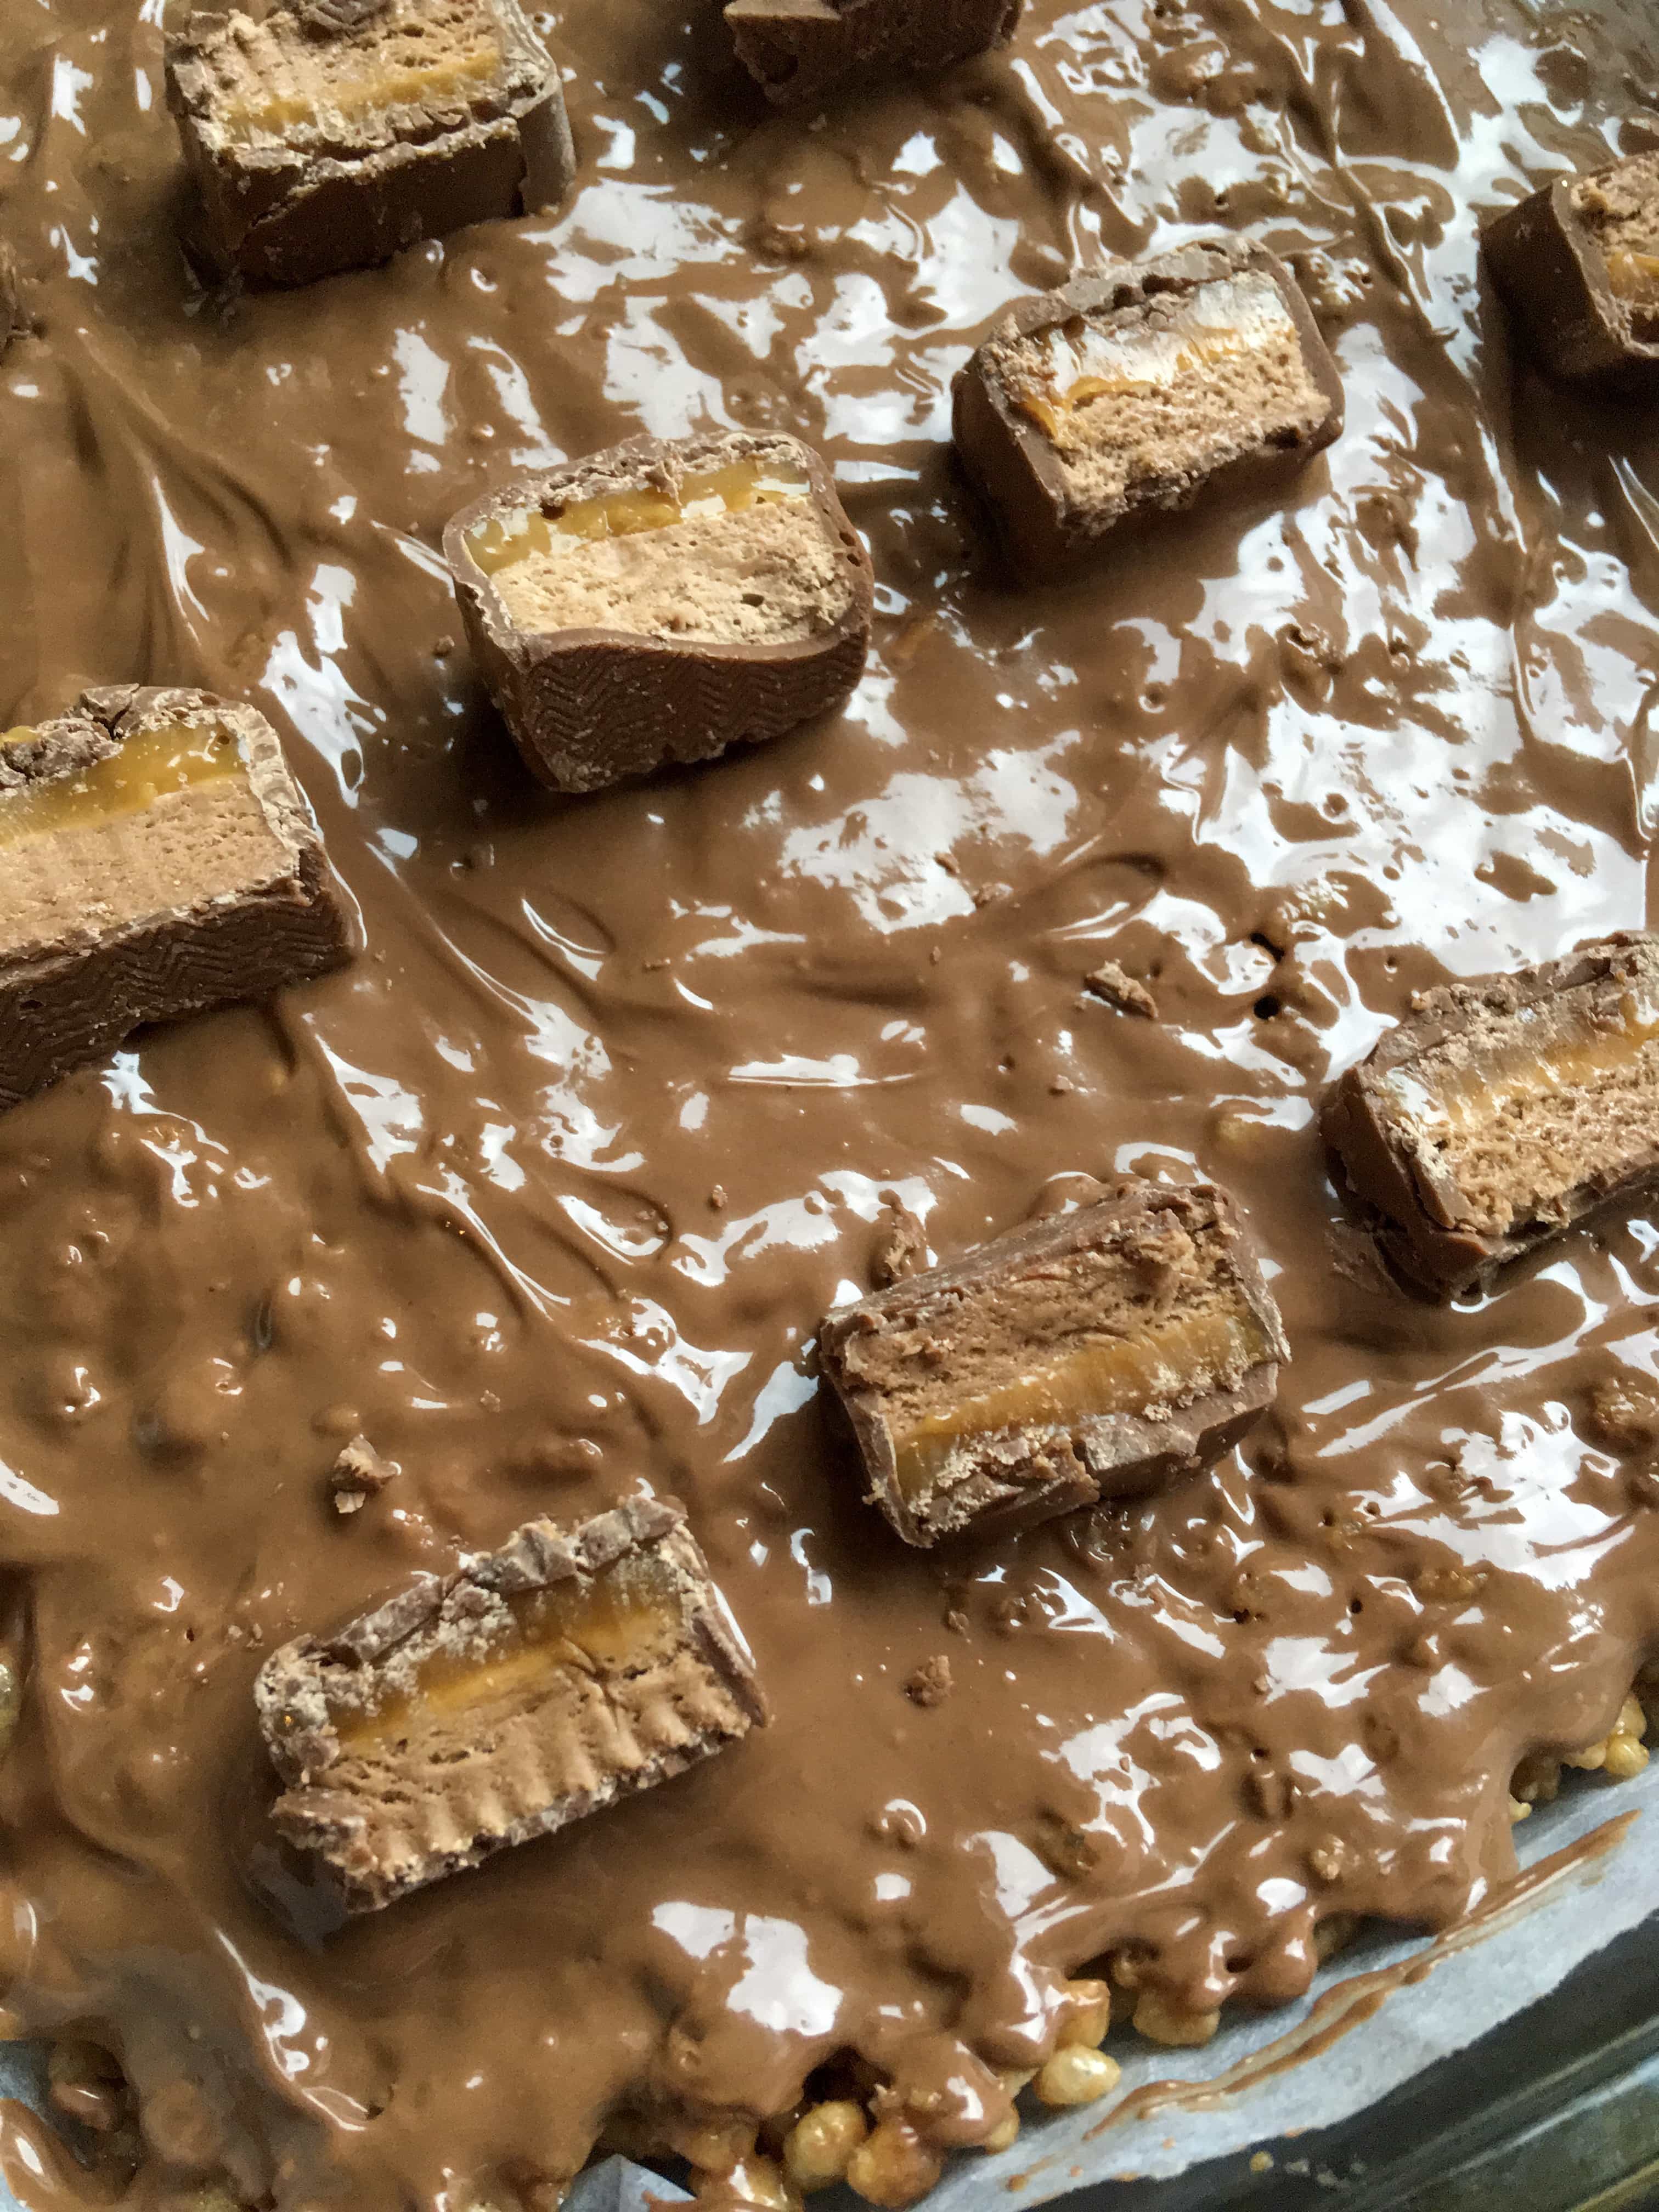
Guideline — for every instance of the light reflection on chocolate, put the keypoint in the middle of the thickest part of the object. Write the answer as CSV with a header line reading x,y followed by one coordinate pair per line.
x,y
1286,765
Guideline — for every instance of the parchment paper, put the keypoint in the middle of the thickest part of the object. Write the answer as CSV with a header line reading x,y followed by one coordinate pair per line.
x,y
1513,1954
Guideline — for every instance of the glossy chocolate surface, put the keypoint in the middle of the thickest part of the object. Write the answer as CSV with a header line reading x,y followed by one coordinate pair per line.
x,y
546,1195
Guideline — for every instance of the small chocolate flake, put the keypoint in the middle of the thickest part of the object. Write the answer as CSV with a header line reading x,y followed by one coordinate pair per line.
x,y
1119,989
358,1474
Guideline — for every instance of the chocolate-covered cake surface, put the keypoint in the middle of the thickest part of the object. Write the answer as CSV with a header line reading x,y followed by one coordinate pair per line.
x,y
546,1195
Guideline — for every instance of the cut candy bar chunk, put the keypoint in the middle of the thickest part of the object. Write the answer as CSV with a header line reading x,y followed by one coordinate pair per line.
x,y
1503,1111
1104,1352
1139,389
660,602
1578,264
541,1682
327,137
797,51
156,859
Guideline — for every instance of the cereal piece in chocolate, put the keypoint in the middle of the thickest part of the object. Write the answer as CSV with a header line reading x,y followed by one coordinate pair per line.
x,y
1504,1109
539,1683
1101,1354
1578,264
799,51
659,602
156,859
326,137
1140,388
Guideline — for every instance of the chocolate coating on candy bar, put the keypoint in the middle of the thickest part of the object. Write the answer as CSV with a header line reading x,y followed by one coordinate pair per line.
x,y
799,50
1503,1111
13,320
659,602
471,1712
1139,389
1104,1352
156,859
328,135
1578,263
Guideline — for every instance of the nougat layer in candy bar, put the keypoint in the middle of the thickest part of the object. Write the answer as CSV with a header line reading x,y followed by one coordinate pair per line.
x,y
540,1683
327,140
1578,264
797,51
1136,390
1504,1109
156,859
660,601
1102,1353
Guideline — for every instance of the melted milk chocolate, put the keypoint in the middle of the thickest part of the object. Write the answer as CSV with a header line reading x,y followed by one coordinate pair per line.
x,y
546,1195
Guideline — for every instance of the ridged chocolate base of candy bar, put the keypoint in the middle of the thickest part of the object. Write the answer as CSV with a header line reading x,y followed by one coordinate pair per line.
x,y
59,1009
1390,1170
1026,1472
1547,264
288,216
391,1818
1019,474
591,708
797,51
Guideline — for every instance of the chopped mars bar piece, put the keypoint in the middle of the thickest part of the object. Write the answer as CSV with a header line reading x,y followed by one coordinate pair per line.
x,y
326,136
657,602
1504,1109
799,50
539,1683
1101,1354
1140,388
156,859
1579,265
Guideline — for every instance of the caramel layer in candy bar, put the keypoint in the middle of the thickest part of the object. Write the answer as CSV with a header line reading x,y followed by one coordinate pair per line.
x,y
1101,1353
799,50
326,136
156,859
540,1683
659,602
1503,1111
1578,264
1139,389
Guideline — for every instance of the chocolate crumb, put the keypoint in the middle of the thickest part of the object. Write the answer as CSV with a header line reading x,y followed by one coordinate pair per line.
x,y
901,1249
931,1684
1329,1860
1624,1413
1119,989
359,1474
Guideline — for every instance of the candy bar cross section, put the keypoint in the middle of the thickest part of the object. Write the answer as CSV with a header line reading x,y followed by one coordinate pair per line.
x,y
539,1683
1100,1354
801,50
156,860
1578,264
327,139
1139,389
1504,1109
659,602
